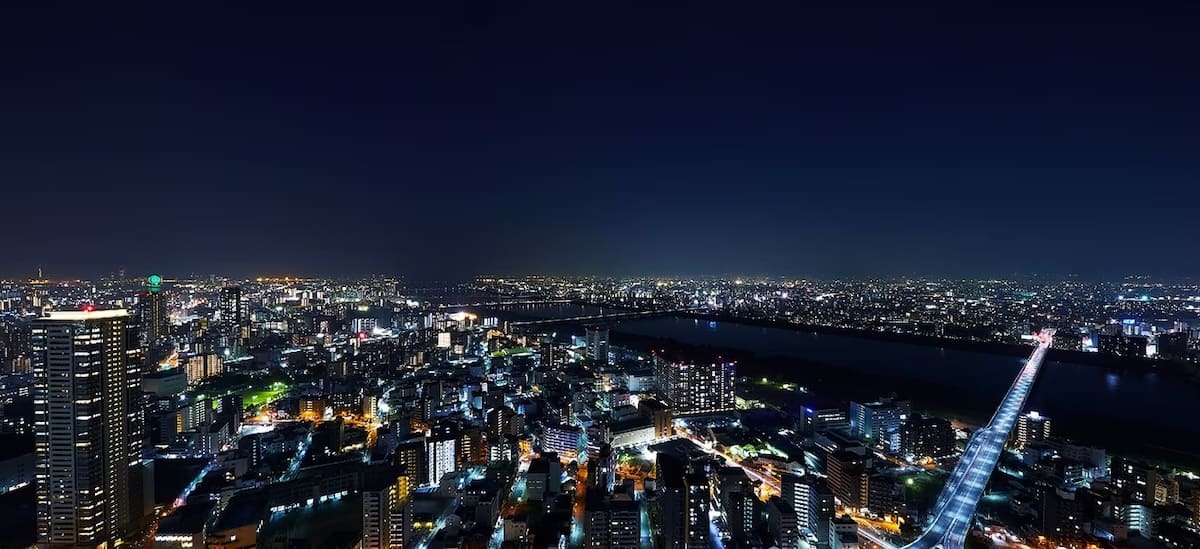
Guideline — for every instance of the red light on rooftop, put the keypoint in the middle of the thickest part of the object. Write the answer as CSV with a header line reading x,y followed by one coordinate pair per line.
x,y
89,308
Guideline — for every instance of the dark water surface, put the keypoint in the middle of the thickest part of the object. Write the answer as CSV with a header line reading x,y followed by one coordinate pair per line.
x,y
1140,413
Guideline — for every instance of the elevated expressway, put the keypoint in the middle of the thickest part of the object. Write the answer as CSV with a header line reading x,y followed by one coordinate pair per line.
x,y
956,505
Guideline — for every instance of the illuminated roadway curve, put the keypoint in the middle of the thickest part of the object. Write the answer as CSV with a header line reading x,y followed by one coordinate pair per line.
x,y
956,505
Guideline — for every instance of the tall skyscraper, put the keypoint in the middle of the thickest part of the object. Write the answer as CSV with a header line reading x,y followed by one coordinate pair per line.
x,y
597,343
154,311
230,303
85,440
1031,427
235,323
691,389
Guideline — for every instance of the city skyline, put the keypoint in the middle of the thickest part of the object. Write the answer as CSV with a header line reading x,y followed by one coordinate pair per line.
x,y
534,412
971,140
600,275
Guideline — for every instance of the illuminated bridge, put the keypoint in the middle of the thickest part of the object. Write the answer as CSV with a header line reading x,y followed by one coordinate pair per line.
x,y
956,505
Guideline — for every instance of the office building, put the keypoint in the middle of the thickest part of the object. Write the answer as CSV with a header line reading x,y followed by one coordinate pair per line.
x,y
85,440
543,481
597,343
817,420
876,421
694,389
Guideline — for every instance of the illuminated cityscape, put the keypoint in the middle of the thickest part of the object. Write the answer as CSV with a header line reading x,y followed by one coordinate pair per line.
x,y
456,419
600,275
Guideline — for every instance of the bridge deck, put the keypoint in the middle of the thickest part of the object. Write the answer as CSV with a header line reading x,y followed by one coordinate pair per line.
x,y
955,506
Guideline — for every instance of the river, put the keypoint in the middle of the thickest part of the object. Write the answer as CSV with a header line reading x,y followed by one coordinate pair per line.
x,y
1145,414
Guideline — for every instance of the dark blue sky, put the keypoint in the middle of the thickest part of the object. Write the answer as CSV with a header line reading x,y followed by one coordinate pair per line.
x,y
607,138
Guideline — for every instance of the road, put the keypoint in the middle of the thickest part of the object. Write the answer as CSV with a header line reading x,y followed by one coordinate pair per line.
x,y
956,504
772,484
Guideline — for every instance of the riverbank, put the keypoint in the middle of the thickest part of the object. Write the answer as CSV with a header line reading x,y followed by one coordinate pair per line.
x,y
1191,371
1138,413
834,384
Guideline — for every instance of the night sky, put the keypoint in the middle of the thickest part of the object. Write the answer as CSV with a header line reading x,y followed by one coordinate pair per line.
x,y
981,139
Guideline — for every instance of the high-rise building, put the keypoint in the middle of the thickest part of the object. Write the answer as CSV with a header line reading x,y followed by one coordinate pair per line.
x,y
798,493
811,501
154,316
737,501
204,366
441,452
565,440
876,421
696,519
782,523
818,420
924,436
472,447
672,500
848,477
384,495
85,442
1031,427
410,457
232,309
597,343
235,322
611,524
692,389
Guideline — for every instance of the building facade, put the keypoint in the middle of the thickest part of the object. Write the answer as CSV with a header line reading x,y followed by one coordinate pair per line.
x,y
85,441
696,389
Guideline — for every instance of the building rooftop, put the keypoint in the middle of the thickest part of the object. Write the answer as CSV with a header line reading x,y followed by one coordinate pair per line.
x,y
631,424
